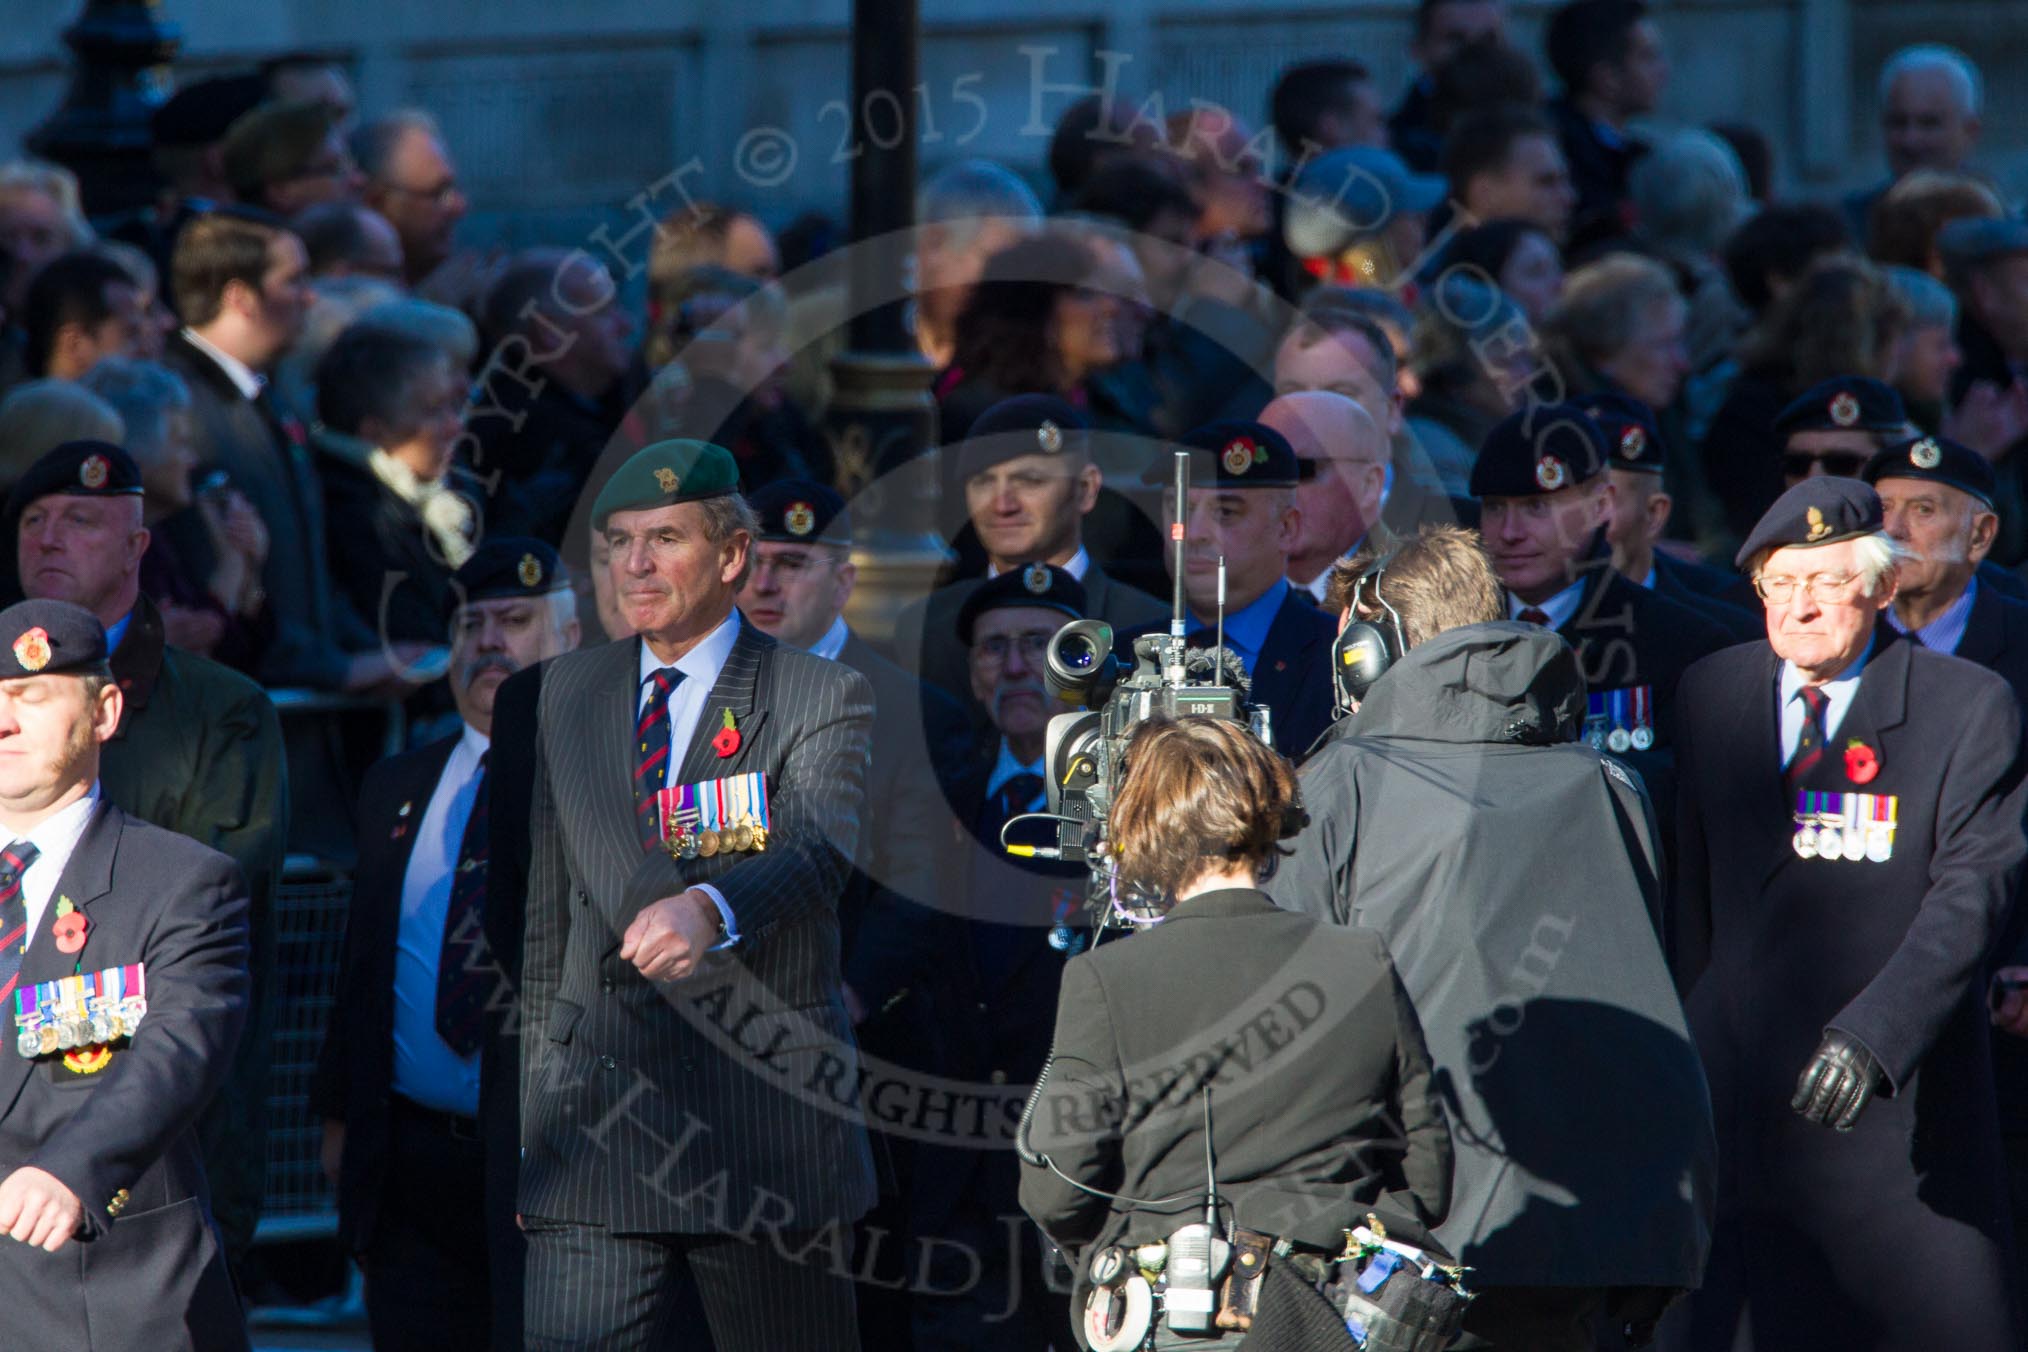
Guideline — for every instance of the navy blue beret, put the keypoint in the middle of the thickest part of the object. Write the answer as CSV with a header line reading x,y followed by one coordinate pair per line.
x,y
1818,511
1027,424
47,638
1633,439
510,566
800,511
1034,584
78,469
1938,459
1843,404
1235,453
1540,449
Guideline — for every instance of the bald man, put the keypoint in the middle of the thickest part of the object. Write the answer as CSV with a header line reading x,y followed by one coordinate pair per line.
x,y
1343,454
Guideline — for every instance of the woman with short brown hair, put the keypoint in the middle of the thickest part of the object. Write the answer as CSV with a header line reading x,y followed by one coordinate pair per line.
x,y
1290,1040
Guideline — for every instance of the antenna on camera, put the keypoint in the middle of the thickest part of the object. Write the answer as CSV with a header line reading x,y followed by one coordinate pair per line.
x,y
1219,646
1177,529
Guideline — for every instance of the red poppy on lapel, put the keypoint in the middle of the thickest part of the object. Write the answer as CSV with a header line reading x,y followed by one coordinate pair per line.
x,y
70,927
1862,763
727,740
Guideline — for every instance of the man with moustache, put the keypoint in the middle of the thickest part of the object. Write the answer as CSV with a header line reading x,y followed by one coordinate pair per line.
x,y
1342,471
1019,920
197,751
397,1083
1850,843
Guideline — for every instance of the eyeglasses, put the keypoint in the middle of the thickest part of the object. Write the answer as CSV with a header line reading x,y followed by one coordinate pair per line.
x,y
437,196
994,650
1838,464
1825,588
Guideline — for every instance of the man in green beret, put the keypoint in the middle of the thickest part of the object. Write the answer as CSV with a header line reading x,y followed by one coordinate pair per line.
x,y
687,1119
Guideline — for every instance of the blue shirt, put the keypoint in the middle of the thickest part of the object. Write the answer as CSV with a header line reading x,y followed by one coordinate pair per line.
x,y
1838,693
118,631
426,1070
1006,768
1944,633
1246,630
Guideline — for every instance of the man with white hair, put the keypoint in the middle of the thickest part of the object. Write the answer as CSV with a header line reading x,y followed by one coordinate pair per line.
x,y
1341,455
1849,842
1931,101
397,1083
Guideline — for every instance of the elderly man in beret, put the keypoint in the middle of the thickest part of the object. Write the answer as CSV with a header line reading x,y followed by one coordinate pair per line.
x,y
123,962
688,1125
399,1078
198,751
1026,473
1850,840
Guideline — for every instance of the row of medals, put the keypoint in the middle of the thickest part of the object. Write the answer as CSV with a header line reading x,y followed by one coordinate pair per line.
x,y
1874,840
1619,739
102,1025
684,843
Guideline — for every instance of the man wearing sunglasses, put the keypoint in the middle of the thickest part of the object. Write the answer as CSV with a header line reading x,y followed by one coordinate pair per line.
x,y
1836,426
1850,839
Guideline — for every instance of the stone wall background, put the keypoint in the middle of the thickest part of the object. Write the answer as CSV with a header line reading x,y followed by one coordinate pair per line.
x,y
559,110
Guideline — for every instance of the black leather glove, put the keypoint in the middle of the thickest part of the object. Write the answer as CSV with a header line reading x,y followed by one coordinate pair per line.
x,y
1838,1082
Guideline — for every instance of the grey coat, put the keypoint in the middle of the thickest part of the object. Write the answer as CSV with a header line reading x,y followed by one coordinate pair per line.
x,y
1513,873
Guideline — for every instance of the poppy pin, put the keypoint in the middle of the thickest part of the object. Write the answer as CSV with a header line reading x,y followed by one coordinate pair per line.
x,y
70,927
727,740
1862,762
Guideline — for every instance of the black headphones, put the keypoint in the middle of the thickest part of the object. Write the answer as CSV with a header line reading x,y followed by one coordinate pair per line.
x,y
1364,650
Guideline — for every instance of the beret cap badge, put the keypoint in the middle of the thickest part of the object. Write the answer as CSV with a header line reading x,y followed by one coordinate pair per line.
x,y
1844,408
1036,579
800,518
1550,474
31,650
1049,437
94,471
666,480
1633,441
529,571
1926,454
1237,456
1819,527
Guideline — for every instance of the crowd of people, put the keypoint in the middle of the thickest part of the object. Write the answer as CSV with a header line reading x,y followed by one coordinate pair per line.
x,y
691,994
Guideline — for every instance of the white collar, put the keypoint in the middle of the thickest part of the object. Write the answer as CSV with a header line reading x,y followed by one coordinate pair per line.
x,y
57,835
706,657
1559,608
833,642
237,371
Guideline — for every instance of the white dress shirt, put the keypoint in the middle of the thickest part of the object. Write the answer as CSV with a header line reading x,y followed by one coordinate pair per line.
x,y
1838,698
56,836
426,1070
700,667
243,376
1560,608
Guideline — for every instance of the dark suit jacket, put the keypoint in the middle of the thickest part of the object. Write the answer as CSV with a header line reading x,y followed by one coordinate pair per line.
x,y
926,632
384,562
1703,589
1292,675
1598,171
1321,1097
248,440
199,752
149,1273
1773,949
670,1109
355,1070
893,933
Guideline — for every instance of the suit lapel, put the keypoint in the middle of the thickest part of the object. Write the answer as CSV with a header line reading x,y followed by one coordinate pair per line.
x,y
1983,638
1880,703
86,877
614,713
737,682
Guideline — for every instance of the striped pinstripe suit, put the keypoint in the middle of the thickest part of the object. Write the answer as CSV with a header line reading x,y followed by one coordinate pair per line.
x,y
722,1104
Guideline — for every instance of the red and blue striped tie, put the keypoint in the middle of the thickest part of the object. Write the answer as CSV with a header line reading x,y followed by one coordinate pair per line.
x,y
14,861
462,967
651,734
1810,742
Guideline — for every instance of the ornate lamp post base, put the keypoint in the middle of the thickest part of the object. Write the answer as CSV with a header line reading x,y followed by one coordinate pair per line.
x,y
100,131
